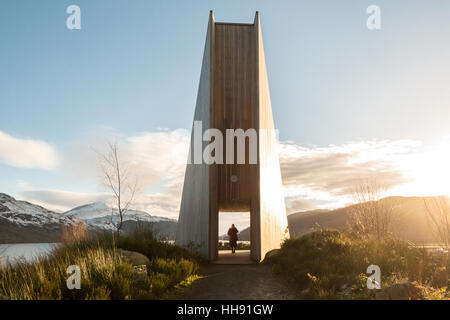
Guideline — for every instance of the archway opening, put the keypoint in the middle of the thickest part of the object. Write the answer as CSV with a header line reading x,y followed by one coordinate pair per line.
x,y
241,220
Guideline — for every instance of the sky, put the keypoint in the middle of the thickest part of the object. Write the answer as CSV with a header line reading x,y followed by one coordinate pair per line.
x,y
350,103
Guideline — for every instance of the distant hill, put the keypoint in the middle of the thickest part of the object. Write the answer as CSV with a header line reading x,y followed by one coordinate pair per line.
x,y
101,216
13,233
411,225
21,221
243,235
165,230
24,222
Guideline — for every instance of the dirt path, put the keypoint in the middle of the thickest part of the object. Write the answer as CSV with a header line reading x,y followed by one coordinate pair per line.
x,y
237,282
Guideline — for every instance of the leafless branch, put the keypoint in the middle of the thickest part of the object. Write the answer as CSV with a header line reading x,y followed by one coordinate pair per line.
x,y
115,176
438,215
372,216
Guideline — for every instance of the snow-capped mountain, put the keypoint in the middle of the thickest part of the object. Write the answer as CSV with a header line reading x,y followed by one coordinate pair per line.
x,y
100,215
26,214
24,222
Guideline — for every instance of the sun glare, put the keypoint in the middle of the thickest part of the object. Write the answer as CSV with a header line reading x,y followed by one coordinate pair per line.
x,y
428,172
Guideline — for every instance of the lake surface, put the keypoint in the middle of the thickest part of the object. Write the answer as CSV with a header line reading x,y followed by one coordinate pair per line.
x,y
11,253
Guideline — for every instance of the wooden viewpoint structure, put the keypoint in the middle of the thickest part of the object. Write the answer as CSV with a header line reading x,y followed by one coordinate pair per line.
x,y
234,93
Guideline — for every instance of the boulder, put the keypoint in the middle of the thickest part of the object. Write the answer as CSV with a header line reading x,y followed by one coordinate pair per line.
x,y
402,291
272,253
133,257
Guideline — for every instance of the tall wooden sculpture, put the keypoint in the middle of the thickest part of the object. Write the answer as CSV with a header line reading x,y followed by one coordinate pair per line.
x,y
233,94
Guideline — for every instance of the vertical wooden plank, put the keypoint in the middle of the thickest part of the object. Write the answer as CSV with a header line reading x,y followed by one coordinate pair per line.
x,y
194,219
214,182
255,222
272,215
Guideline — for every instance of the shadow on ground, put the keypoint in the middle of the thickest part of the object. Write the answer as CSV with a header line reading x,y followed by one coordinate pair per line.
x,y
237,282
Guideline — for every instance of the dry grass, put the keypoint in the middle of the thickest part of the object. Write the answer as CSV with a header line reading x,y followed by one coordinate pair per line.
x,y
104,275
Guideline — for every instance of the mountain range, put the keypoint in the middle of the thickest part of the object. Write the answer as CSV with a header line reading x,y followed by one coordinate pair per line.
x,y
100,215
21,221
409,222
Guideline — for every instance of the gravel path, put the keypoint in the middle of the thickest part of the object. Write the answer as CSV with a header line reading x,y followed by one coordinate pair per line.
x,y
237,282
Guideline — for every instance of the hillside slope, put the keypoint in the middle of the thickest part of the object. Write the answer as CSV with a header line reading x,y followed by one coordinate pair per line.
x,y
409,219
409,223
102,216
22,222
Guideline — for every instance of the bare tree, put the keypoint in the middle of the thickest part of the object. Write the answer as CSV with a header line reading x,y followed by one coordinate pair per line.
x,y
438,215
372,216
117,177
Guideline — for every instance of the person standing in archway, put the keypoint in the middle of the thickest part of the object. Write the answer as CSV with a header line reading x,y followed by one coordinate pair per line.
x,y
233,238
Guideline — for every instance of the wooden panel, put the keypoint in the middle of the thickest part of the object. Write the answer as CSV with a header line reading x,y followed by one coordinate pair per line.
x,y
194,219
213,192
234,108
273,226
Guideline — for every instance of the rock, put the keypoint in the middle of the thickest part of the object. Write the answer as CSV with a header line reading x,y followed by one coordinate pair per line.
x,y
272,253
402,291
133,257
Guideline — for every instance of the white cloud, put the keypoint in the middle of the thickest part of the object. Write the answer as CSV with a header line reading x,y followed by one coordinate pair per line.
x,y
313,176
296,205
159,156
158,159
155,157
326,176
27,153
241,220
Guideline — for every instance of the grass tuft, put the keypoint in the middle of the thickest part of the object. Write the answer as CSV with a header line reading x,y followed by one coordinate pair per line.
x,y
328,264
104,274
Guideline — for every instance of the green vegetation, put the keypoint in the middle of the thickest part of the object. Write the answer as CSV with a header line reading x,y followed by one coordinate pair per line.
x,y
105,273
329,264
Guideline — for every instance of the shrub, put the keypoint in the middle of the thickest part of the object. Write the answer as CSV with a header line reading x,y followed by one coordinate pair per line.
x,y
328,264
145,242
176,270
104,275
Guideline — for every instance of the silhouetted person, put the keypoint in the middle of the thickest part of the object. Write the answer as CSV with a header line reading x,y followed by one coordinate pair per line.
x,y
233,238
